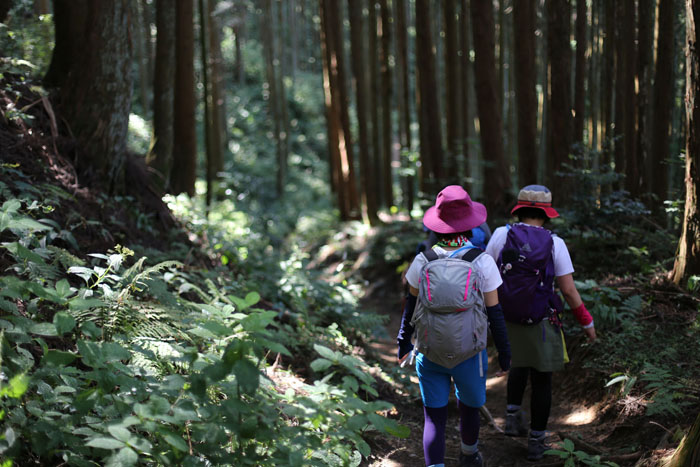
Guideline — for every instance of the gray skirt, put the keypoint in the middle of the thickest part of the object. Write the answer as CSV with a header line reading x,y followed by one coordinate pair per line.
x,y
540,346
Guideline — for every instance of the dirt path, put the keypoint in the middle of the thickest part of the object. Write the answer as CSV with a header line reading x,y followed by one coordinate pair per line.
x,y
499,450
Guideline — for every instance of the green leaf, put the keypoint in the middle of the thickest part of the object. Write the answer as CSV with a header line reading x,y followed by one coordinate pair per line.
x,y
63,322
11,205
568,445
321,364
63,288
247,375
327,353
120,433
16,387
105,443
175,441
124,458
80,304
58,358
43,329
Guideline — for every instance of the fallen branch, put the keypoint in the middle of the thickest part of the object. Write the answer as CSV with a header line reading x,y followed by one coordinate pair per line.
x,y
487,415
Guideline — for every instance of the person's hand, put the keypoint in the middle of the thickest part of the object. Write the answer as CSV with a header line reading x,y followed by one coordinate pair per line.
x,y
405,348
403,359
504,362
590,333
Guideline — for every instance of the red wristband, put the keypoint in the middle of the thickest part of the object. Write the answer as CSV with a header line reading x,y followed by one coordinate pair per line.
x,y
582,315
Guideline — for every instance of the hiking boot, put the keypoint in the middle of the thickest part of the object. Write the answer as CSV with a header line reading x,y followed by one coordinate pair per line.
x,y
536,447
516,423
471,460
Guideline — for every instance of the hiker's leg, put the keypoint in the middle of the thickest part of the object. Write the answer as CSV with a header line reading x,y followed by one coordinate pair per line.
x,y
541,399
470,381
434,383
434,435
517,382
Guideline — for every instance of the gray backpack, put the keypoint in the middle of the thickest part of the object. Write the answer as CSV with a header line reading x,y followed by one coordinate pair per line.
x,y
450,320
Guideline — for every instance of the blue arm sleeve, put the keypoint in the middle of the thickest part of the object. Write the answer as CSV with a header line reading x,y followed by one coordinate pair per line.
x,y
497,324
406,329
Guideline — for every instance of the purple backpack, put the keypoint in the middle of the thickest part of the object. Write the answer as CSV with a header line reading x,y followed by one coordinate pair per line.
x,y
527,268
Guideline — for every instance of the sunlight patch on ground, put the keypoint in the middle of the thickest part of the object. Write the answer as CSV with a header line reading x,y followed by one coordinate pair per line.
x,y
494,380
582,416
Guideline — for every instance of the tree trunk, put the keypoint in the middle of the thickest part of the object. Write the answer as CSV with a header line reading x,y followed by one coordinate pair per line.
x,y
608,79
184,172
404,101
5,6
580,76
91,70
386,94
663,101
688,255
218,111
496,171
526,98
368,189
431,150
164,92
465,69
629,110
452,88
41,7
688,452
375,148
206,98
645,54
340,144
558,33
274,107
141,55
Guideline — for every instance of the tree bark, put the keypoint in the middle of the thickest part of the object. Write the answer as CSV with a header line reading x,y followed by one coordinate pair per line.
x,y
274,106
688,451
164,92
645,54
608,78
337,111
431,149
141,55
385,71
404,101
526,98
5,6
580,76
368,188
496,171
560,128
688,255
629,109
218,111
184,172
663,100
91,73
376,156
206,98
465,79
452,91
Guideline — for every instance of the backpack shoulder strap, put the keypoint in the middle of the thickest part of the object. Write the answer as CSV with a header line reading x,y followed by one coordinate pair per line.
x,y
430,254
472,254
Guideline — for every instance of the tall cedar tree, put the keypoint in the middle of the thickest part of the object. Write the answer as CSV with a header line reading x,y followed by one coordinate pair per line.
x,y
645,41
206,118
404,101
607,78
524,17
183,173
560,123
374,100
688,255
90,74
663,100
164,92
428,103
274,104
386,94
368,188
628,110
338,122
452,89
580,75
465,80
218,109
496,170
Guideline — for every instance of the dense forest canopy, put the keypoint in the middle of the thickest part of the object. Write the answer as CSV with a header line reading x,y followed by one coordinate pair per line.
x,y
196,194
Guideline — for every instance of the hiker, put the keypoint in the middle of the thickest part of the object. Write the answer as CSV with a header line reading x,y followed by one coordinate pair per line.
x,y
452,293
530,258
480,237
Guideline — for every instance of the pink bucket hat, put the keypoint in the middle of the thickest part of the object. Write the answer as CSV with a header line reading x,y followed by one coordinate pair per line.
x,y
454,211
536,196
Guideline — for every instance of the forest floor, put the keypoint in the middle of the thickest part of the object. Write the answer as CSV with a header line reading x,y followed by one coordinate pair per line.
x,y
580,412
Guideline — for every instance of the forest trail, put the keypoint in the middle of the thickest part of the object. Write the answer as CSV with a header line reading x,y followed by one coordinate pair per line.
x,y
576,421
